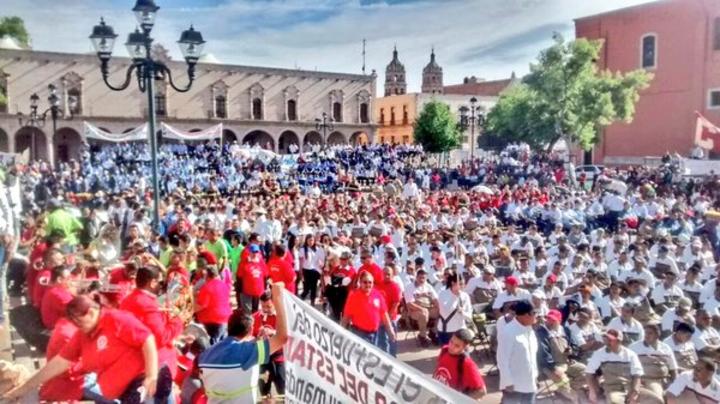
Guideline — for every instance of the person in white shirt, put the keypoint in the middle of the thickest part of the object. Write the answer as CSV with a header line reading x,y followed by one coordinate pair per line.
x,y
631,329
455,308
667,292
657,359
706,338
681,313
680,341
517,356
422,304
512,293
697,385
621,371
484,288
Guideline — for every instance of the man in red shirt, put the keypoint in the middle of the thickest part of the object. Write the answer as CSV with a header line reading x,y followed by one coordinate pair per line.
x,y
456,369
252,274
212,305
365,310
280,268
36,261
341,281
392,294
113,344
123,279
69,385
264,326
56,298
53,258
368,265
143,304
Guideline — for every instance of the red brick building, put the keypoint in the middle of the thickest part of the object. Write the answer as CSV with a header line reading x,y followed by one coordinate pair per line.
x,y
679,42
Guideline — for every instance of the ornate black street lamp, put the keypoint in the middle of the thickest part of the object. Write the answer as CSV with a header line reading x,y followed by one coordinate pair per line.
x,y
37,120
469,117
147,70
324,125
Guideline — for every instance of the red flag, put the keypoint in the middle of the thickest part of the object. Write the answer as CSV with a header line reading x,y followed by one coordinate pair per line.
x,y
707,135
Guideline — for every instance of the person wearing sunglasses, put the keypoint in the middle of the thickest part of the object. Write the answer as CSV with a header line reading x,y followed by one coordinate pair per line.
x,y
365,310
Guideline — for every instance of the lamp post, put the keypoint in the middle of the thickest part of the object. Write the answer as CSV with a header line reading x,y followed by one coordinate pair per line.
x,y
470,117
37,120
323,125
139,44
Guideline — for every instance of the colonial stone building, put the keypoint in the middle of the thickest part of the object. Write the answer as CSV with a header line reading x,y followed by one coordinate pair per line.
x,y
258,105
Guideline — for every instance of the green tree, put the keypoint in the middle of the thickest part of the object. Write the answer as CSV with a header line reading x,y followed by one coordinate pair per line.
x,y
14,27
565,96
436,128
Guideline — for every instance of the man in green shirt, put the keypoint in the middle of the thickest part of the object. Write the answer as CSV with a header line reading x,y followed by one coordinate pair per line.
x,y
63,222
234,245
216,246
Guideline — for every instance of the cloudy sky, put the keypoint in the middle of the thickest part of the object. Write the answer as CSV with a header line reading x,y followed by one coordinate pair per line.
x,y
485,38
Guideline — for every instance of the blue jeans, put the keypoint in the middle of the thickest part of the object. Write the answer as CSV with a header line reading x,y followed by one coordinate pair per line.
x,y
370,337
383,340
517,398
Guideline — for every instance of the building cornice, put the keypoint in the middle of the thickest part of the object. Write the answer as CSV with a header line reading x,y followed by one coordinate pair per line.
x,y
59,57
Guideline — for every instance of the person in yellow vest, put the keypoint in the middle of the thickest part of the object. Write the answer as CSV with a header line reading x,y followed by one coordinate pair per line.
x,y
621,372
657,359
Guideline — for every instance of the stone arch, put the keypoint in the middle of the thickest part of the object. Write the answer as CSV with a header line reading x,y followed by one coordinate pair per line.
x,y
312,138
229,136
287,138
259,138
32,143
68,145
359,138
4,141
336,138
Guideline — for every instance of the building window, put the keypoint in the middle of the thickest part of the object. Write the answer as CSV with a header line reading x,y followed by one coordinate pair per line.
x,y
382,139
292,110
392,139
392,116
714,98
257,109
3,92
716,34
406,139
649,51
220,106
160,104
364,115
405,115
337,112
382,116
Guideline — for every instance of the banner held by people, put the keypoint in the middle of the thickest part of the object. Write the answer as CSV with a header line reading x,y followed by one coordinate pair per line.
x,y
92,132
213,132
326,363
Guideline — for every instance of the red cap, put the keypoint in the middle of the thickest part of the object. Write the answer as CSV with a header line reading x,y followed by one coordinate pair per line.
x,y
385,239
552,278
554,315
512,281
208,257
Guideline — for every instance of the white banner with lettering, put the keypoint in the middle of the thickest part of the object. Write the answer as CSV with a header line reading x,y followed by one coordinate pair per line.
x,y
93,132
326,363
213,132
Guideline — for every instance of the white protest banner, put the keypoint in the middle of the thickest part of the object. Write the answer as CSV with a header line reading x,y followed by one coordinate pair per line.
x,y
213,132
326,363
92,132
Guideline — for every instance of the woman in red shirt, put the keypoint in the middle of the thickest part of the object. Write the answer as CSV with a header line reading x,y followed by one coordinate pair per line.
x,y
113,344
212,305
252,274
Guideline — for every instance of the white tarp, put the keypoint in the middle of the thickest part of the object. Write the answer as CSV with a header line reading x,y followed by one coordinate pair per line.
x,y
213,132
326,363
93,132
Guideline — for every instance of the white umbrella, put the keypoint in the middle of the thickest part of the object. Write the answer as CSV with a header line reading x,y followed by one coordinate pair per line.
x,y
483,189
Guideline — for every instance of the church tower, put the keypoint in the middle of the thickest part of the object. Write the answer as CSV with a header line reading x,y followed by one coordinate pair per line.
x,y
395,76
432,77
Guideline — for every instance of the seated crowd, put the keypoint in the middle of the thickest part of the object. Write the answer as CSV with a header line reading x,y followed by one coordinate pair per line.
x,y
618,289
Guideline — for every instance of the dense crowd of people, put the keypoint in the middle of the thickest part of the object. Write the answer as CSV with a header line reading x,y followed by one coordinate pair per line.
x,y
601,286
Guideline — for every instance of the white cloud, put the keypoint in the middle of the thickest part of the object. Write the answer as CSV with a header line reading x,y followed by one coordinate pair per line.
x,y
327,34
